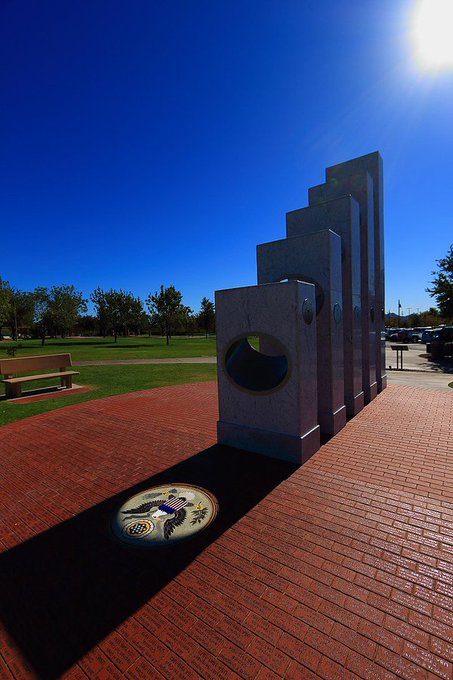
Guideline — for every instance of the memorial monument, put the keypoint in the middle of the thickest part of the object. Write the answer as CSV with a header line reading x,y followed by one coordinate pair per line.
x,y
302,350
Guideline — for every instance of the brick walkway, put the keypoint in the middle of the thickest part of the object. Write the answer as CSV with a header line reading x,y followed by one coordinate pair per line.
x,y
340,569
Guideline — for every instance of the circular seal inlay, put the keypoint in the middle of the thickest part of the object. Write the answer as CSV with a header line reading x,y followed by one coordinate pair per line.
x,y
139,528
307,311
337,313
164,514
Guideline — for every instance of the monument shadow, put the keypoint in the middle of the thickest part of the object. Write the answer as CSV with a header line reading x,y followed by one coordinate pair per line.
x,y
69,587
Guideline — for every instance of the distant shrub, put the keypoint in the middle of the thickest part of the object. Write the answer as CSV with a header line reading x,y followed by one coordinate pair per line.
x,y
11,351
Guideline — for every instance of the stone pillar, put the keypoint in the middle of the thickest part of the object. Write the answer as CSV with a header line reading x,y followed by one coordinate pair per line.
x,y
268,402
342,215
372,163
360,186
316,258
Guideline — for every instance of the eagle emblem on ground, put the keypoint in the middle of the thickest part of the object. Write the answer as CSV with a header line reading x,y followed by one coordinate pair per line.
x,y
173,507
164,514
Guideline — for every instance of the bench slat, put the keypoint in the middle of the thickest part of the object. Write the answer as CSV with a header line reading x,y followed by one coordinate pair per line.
x,y
36,363
27,378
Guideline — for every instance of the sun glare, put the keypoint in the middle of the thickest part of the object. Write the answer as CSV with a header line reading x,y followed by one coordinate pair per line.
x,y
433,33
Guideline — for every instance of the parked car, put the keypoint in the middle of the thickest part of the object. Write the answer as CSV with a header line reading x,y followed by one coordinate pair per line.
x,y
414,335
408,334
403,335
427,335
441,343
391,334
444,334
417,334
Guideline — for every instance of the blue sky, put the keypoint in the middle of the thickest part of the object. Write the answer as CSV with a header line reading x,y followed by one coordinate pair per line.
x,y
150,142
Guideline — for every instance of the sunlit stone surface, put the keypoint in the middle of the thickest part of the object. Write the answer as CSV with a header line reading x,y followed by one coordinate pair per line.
x,y
268,400
371,163
342,215
316,258
361,188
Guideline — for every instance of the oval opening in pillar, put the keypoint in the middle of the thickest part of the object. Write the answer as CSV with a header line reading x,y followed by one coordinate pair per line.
x,y
257,363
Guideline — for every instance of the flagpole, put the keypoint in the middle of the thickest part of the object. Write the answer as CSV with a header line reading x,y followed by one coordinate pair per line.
x,y
399,307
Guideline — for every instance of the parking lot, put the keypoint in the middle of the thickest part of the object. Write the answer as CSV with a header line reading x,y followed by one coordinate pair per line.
x,y
418,370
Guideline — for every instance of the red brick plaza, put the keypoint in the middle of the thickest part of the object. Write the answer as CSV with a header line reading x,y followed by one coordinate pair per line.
x,y
342,568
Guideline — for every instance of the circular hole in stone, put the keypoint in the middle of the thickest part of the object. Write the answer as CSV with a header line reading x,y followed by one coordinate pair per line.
x,y
164,515
257,370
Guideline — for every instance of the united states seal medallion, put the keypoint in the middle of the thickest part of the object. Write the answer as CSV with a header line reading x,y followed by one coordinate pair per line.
x,y
164,514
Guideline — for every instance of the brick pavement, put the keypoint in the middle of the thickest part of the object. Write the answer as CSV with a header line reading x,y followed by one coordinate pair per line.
x,y
340,569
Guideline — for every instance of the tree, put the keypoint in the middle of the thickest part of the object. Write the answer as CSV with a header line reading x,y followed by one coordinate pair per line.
x,y
117,311
431,317
5,302
145,322
87,324
65,304
97,297
414,320
20,312
186,320
442,285
57,310
135,315
42,316
166,309
206,316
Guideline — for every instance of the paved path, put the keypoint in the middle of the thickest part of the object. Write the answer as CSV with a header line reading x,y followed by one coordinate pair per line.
x,y
415,359
342,568
418,370
434,381
126,362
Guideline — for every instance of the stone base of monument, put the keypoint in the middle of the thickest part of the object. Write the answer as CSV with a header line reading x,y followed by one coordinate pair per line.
x,y
355,405
382,383
274,444
370,392
331,423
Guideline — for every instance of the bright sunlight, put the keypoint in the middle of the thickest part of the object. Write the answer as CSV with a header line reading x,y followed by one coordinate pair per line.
x,y
433,33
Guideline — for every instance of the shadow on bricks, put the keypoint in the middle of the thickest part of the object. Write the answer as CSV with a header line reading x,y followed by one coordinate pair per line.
x,y
65,590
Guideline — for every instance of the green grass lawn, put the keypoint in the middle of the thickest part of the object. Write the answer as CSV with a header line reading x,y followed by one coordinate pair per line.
x,y
107,381
99,349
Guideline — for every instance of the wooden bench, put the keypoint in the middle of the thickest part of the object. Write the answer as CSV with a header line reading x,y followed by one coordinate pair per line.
x,y
11,367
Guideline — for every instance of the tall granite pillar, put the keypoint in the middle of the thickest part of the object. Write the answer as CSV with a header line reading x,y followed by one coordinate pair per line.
x,y
342,215
268,401
360,187
316,258
373,164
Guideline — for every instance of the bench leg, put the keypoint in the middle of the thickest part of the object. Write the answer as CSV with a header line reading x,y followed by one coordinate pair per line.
x,y
13,391
66,381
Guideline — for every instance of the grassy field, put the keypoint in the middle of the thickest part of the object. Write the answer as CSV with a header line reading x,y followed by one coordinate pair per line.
x,y
99,349
109,380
